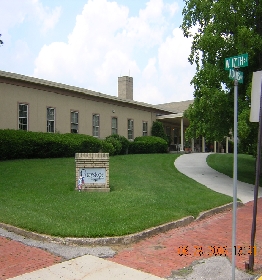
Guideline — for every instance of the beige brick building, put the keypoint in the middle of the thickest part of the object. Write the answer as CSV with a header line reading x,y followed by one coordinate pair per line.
x,y
38,105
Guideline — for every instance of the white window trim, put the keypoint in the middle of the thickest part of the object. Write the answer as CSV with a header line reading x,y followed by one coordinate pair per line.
x,y
130,121
145,132
74,123
95,126
50,121
114,128
27,112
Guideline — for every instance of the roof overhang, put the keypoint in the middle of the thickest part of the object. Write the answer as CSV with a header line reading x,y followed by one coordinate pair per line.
x,y
173,119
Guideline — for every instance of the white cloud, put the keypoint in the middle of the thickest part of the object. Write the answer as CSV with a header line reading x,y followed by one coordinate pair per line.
x,y
106,43
21,52
15,12
150,92
47,18
150,71
172,8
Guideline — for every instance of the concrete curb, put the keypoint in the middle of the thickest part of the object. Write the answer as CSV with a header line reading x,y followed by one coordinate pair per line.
x,y
118,240
126,239
217,210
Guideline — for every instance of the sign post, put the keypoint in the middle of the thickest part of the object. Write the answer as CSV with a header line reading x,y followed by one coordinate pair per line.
x,y
233,64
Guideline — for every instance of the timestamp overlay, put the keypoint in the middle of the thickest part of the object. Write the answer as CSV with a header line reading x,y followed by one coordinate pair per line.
x,y
214,250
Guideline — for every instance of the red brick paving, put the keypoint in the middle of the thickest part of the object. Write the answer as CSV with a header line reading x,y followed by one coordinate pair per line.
x,y
17,258
159,255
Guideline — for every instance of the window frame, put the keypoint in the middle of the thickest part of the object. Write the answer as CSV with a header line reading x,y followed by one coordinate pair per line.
x,y
114,130
21,125
95,126
144,131
130,130
73,121
50,121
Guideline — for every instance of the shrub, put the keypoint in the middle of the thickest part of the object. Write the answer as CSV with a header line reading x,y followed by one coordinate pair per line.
x,y
18,144
107,147
116,144
158,130
147,145
124,143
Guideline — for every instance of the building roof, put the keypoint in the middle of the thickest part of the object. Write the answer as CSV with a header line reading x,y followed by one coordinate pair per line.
x,y
32,80
178,107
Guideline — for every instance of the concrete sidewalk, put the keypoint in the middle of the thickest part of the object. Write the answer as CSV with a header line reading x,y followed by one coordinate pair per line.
x,y
195,166
87,268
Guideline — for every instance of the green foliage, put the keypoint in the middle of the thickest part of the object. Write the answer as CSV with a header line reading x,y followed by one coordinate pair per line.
x,y
148,145
230,145
18,144
123,141
107,147
158,130
246,166
146,191
248,133
224,29
115,143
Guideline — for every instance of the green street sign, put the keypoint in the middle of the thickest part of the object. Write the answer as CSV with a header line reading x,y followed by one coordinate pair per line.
x,y
236,61
236,75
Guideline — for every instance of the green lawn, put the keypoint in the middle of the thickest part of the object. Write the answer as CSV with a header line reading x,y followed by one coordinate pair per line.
x,y
146,191
223,163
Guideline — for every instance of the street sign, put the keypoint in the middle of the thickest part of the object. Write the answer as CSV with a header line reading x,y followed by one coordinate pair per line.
x,y
236,61
236,75
231,64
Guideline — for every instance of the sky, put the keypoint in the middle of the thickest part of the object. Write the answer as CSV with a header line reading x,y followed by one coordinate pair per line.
x,y
90,43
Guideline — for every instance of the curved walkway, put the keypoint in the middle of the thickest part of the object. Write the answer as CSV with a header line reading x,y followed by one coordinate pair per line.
x,y
195,166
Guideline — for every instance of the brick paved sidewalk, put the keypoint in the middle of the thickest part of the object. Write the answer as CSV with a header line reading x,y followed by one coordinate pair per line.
x,y
159,255
17,258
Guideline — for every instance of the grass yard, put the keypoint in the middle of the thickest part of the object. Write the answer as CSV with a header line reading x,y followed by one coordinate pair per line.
x,y
223,163
146,190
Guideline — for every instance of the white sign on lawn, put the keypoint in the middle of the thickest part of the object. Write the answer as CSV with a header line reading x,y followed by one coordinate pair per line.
x,y
93,175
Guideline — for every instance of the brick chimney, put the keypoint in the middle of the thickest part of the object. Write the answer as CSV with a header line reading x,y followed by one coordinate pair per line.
x,y
125,87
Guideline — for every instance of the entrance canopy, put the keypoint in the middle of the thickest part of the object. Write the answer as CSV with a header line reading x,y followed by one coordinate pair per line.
x,y
173,119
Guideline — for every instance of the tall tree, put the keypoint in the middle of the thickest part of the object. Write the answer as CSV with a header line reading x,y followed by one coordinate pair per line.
x,y
220,29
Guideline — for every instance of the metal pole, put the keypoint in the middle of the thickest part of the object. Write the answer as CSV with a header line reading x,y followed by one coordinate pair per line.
x,y
234,179
258,167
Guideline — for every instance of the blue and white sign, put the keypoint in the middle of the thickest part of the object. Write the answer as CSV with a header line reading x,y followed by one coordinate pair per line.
x,y
93,175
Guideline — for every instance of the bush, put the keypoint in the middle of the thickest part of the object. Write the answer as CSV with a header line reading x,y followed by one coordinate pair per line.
x,y
158,130
18,144
107,147
148,145
116,144
124,143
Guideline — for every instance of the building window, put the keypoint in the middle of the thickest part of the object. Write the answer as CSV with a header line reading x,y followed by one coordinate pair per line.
x,y
130,129
50,119
96,125
145,129
23,117
74,122
114,125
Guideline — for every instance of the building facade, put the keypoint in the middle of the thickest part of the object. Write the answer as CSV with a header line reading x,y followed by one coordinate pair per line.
x,y
43,106
38,105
